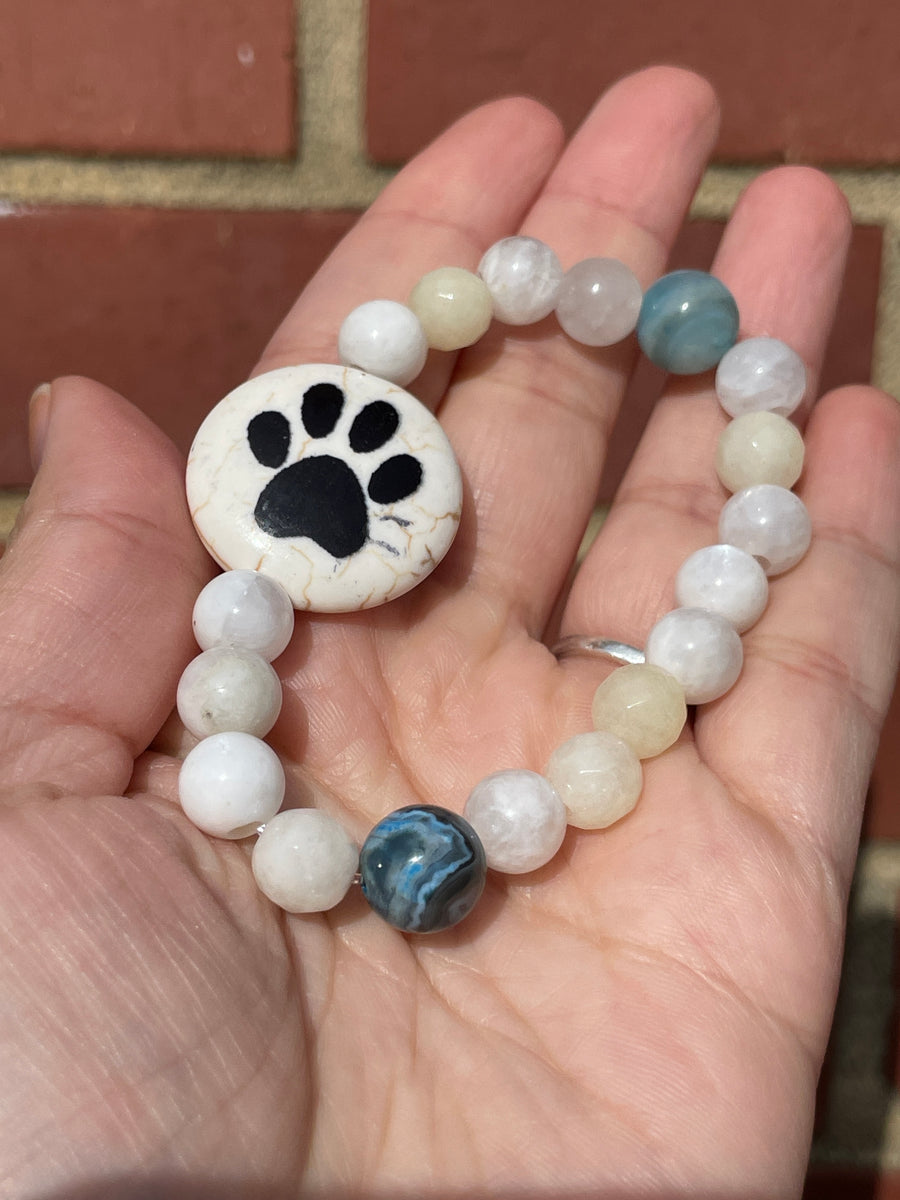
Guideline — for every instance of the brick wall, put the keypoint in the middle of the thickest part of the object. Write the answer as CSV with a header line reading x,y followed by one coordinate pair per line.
x,y
172,171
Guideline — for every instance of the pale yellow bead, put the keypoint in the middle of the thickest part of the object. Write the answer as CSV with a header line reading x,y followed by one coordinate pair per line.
x,y
759,447
598,778
643,705
453,306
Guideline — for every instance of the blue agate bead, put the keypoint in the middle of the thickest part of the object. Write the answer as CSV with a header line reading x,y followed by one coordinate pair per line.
x,y
422,868
688,320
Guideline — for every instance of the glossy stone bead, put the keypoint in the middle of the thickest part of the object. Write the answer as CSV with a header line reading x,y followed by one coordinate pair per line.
x,y
453,306
598,777
422,868
701,649
760,374
759,447
304,860
519,819
384,338
523,276
725,580
227,688
244,609
230,784
768,522
599,301
687,322
643,705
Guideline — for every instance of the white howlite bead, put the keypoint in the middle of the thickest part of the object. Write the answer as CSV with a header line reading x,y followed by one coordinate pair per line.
x,y
759,447
230,784
769,522
519,818
701,649
304,861
385,339
244,609
759,374
523,276
725,580
598,778
599,302
226,688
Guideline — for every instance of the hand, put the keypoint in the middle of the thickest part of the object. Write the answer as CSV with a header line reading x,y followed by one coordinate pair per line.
x,y
646,1015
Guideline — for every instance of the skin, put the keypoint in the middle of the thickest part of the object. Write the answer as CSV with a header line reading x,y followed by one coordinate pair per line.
x,y
647,1015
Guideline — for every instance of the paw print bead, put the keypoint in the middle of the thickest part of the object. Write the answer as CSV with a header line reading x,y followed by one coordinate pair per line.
x,y
340,486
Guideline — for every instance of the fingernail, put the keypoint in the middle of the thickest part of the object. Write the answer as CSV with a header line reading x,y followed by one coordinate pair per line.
x,y
38,417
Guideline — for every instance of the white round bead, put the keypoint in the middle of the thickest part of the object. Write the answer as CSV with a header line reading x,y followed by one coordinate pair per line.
x,y
725,580
519,818
701,649
244,609
759,447
385,339
337,484
304,861
226,688
769,522
598,778
523,276
759,374
230,784
599,302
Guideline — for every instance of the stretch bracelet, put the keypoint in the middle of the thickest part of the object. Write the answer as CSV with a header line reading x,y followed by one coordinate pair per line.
x,y
332,489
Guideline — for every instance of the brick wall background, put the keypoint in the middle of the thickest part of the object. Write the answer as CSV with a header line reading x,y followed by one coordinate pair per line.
x,y
172,171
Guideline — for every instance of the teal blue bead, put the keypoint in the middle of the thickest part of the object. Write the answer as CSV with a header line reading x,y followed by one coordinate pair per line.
x,y
687,322
422,868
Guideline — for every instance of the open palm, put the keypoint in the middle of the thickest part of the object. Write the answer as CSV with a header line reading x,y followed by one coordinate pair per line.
x,y
644,1016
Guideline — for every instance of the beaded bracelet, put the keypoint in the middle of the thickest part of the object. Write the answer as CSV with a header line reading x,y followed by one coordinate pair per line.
x,y
330,488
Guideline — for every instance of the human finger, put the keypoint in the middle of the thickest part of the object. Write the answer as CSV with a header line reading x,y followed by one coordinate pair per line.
x,y
96,591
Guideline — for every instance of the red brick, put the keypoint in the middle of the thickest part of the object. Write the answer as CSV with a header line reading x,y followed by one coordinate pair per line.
x,y
170,308
209,77
849,1183
883,808
803,80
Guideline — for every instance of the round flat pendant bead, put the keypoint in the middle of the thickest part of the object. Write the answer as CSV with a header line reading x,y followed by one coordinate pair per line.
x,y
422,868
760,374
687,322
519,819
769,522
340,486
453,306
230,784
643,705
759,447
701,649
599,301
385,339
523,276
598,778
304,861
246,610
229,689
725,580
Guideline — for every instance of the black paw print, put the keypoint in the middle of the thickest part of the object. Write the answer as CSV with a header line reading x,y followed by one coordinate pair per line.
x,y
320,496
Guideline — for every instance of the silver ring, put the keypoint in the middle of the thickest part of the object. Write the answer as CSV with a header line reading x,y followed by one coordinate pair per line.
x,y
578,643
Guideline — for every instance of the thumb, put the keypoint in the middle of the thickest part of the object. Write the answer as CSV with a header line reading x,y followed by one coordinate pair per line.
x,y
96,590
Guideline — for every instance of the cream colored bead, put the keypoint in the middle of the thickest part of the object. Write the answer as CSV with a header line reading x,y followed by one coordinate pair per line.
x,y
598,778
453,306
643,705
759,447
